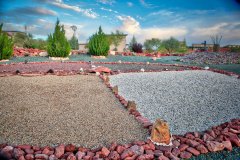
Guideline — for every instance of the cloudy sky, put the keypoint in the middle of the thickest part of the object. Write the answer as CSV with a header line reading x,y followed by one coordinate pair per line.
x,y
194,20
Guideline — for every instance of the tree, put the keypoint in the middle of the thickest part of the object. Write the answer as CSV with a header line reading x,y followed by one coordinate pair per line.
x,y
137,47
133,41
116,38
6,45
19,39
74,43
99,44
170,45
58,45
152,44
216,40
182,47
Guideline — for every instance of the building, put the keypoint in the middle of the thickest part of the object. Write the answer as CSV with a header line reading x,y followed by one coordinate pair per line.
x,y
232,46
202,46
120,48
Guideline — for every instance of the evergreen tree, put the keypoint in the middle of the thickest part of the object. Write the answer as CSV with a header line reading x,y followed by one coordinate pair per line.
x,y
6,45
132,42
58,45
99,44
74,43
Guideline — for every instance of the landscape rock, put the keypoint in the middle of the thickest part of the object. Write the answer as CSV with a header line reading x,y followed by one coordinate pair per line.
x,y
41,156
17,153
202,149
43,54
183,147
227,145
59,151
176,152
162,157
71,157
160,132
70,148
80,155
105,152
214,146
114,155
131,105
29,157
185,155
193,151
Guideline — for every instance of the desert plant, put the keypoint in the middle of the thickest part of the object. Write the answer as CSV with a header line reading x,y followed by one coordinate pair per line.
x,y
99,44
171,45
6,45
116,38
152,44
58,45
133,41
137,47
216,40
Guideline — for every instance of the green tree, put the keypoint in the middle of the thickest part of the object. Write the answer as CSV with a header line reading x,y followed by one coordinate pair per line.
x,y
152,44
6,45
99,44
58,45
133,41
74,43
19,39
170,45
182,47
116,38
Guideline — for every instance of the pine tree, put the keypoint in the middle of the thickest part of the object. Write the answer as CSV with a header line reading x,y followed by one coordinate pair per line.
x,y
58,45
6,45
74,43
132,42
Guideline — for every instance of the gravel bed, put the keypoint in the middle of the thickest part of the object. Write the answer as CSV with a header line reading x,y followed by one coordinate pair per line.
x,y
49,110
188,100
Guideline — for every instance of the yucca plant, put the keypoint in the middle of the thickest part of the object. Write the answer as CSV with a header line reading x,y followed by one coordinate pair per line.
x,y
99,44
58,45
6,45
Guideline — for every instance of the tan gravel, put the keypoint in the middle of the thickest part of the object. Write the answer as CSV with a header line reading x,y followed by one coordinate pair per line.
x,y
49,110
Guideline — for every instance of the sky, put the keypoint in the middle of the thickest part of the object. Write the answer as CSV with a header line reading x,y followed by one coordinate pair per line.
x,y
193,20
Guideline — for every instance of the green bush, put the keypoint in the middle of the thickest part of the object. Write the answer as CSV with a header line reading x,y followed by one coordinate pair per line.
x,y
6,45
171,45
58,45
99,44
74,43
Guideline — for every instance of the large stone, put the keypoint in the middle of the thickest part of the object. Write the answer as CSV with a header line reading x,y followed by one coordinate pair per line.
x,y
17,153
214,146
160,132
131,105
43,54
59,151
202,149
227,145
105,152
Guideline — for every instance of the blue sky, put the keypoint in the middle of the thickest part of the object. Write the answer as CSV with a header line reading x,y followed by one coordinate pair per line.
x,y
195,20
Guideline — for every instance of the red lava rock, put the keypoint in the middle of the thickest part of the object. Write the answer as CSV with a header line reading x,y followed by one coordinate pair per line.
x,y
87,157
189,136
202,149
91,154
59,151
211,133
29,157
207,137
127,146
176,143
127,153
120,149
158,153
21,158
7,149
192,143
38,152
36,148
164,148
41,156
193,151
105,152
70,148
24,147
71,157
234,131
185,155
29,151
235,140
82,149
114,155
183,147
214,146
176,152
196,134
146,157
113,146
101,69
17,153
80,155
139,143
162,157
171,156
227,145
46,151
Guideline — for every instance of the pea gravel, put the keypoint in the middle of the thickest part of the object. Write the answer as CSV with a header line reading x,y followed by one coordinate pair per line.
x,y
188,100
49,110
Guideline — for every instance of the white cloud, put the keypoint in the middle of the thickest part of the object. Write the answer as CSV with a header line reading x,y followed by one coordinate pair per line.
x,y
207,31
132,27
86,12
129,4
109,10
162,13
110,2
147,5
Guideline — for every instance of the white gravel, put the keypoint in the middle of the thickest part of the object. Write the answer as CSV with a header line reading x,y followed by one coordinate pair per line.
x,y
188,100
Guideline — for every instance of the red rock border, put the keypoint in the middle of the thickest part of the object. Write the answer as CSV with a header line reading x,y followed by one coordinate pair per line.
x,y
218,138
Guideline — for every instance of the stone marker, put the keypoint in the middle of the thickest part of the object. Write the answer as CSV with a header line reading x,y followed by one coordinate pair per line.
x,y
115,89
131,105
160,132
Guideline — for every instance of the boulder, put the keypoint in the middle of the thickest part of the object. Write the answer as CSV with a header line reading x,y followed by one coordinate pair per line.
x,y
160,132
43,54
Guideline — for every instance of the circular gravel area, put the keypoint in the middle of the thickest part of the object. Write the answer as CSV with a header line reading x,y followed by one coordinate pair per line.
x,y
49,110
188,100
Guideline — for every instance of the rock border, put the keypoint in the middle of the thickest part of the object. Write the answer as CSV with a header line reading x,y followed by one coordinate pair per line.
x,y
217,138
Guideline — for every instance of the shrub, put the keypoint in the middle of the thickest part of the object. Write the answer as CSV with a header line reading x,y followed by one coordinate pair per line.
x,y
133,41
171,45
58,45
137,47
152,44
99,44
74,43
6,45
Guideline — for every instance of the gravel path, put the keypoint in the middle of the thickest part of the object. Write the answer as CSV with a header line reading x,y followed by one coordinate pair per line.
x,y
188,100
49,110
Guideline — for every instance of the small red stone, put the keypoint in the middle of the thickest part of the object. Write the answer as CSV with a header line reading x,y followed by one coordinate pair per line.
x,y
183,147
193,151
70,148
185,155
105,152
29,157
